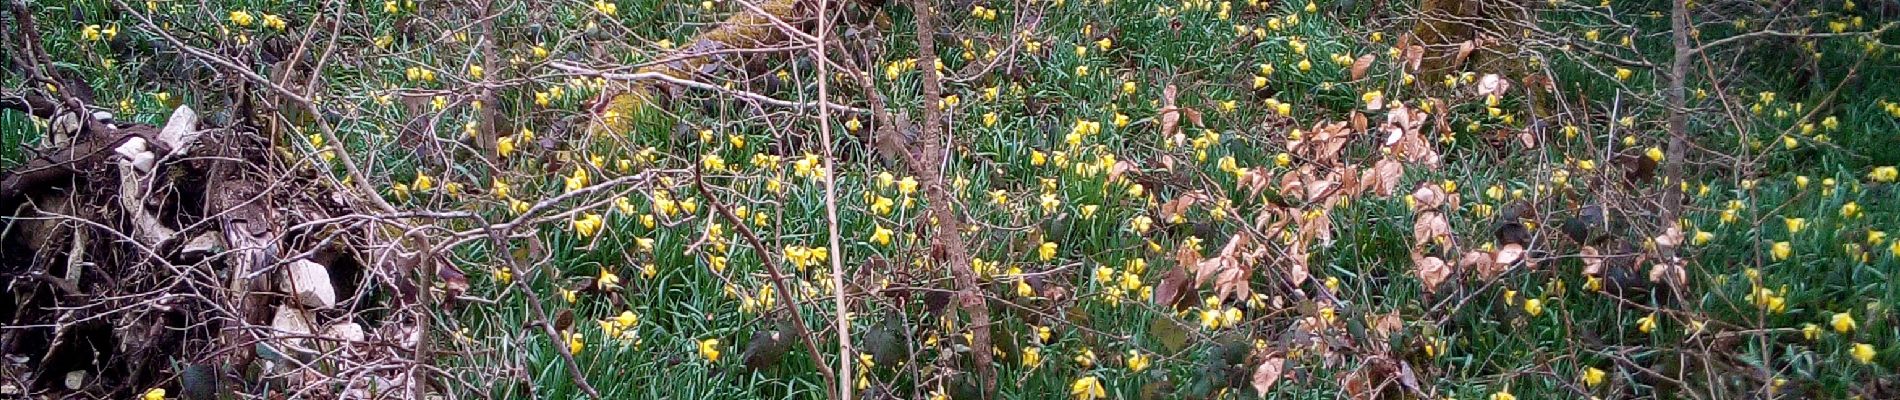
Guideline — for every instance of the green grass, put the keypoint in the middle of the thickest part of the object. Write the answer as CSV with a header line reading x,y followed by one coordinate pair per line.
x,y
1484,345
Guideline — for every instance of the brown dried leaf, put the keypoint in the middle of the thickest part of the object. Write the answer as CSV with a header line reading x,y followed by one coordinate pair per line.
x,y
1509,253
1431,271
1464,52
1492,84
1267,374
1360,65
1255,180
1359,121
1170,113
1485,263
1670,238
1430,226
1428,196
1383,177
1174,286
1179,206
1121,167
1668,272
1592,260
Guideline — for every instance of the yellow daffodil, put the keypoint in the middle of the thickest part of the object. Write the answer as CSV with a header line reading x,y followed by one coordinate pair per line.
x,y
709,349
1137,361
1088,388
1864,353
1842,322
1593,376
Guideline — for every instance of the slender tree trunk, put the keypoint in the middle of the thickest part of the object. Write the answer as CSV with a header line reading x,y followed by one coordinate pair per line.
x,y
949,230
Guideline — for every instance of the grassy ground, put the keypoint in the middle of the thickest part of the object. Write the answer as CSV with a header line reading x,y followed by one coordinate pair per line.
x,y
1751,316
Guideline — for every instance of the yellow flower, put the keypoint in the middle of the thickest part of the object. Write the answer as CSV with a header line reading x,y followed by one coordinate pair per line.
x,y
1086,358
1623,74
1088,388
1503,396
1593,376
505,146
1885,174
274,22
608,281
1781,251
1794,224
1305,65
154,394
1811,331
1655,154
1140,224
881,236
1047,251
709,349
1702,237
608,8
1534,306
574,342
242,18
1850,210
1646,323
1032,357
1864,353
1842,322
1137,361
588,225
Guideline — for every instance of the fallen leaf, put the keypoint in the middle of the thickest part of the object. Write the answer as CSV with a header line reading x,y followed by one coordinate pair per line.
x,y
1382,177
1428,196
1592,260
1485,263
1267,374
1431,271
1668,272
1509,253
1360,65
1491,84
1429,227
1464,52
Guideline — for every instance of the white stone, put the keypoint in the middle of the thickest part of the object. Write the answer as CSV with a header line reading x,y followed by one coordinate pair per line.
x,y
309,283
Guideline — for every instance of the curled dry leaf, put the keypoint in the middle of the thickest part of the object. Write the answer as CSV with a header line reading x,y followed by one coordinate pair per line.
x,y
1465,49
1382,177
1254,180
1592,260
1669,272
1430,226
1268,373
1360,65
1121,167
1509,253
1322,143
1316,225
1171,114
1670,238
1175,287
1179,206
1431,271
1484,263
1491,84
1230,269
1429,196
